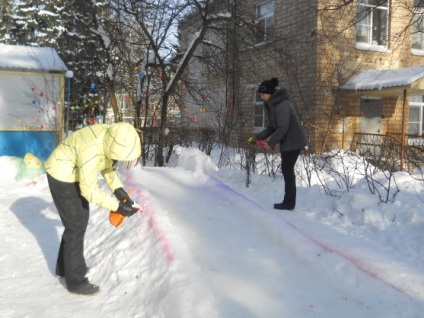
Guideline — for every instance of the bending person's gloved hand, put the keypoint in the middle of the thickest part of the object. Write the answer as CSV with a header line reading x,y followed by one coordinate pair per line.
x,y
126,208
121,195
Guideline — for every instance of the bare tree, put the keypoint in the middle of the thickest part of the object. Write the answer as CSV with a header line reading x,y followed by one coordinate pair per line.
x,y
158,21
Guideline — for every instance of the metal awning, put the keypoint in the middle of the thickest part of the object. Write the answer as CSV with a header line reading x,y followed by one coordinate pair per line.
x,y
388,82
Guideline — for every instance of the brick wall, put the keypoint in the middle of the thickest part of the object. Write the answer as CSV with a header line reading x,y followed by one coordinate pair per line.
x,y
313,52
339,58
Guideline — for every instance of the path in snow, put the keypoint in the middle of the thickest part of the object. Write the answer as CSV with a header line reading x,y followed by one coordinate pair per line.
x,y
199,250
262,271
363,254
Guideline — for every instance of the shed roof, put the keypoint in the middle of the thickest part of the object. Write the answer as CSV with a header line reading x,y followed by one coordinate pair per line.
x,y
388,82
27,58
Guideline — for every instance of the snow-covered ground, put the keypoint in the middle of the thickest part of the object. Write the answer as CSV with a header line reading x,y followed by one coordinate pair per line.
x,y
207,246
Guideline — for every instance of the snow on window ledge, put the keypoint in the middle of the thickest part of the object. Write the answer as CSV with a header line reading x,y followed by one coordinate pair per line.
x,y
261,44
372,47
417,52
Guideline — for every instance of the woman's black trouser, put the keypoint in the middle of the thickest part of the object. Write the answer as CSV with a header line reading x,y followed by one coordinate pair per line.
x,y
288,161
74,213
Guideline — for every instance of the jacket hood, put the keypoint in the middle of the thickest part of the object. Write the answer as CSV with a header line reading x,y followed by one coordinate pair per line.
x,y
122,142
278,96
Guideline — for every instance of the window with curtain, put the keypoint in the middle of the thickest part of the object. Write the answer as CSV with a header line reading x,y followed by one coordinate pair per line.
x,y
416,109
264,22
372,25
418,26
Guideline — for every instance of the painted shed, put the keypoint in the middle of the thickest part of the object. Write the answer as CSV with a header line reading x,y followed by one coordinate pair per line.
x,y
32,85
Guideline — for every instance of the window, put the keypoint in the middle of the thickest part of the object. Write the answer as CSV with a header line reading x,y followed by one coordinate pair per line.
x,y
416,113
259,113
372,22
264,21
418,26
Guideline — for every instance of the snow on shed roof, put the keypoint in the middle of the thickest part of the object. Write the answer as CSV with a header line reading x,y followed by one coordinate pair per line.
x,y
13,57
383,79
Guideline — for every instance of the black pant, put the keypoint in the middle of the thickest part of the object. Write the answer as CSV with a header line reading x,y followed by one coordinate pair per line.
x,y
74,213
288,161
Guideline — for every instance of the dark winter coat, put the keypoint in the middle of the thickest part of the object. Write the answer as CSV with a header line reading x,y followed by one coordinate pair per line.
x,y
283,123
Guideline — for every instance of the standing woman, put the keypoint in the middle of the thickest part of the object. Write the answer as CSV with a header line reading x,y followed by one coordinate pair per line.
x,y
283,128
72,171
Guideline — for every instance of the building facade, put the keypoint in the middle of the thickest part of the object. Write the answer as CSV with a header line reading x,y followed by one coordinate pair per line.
x,y
32,86
320,50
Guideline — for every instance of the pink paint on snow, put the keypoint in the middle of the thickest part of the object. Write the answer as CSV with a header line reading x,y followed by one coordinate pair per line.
x,y
149,212
154,226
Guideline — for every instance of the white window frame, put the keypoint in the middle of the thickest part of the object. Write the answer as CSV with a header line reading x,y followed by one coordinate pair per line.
x,y
366,15
264,22
417,102
417,37
258,115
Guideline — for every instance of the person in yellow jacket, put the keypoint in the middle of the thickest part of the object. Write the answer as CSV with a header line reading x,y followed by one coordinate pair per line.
x,y
72,171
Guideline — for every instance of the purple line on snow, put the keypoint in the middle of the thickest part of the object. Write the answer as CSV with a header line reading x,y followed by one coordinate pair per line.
x,y
354,261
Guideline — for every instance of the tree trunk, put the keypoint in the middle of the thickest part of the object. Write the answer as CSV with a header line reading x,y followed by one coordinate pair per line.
x,y
114,102
163,123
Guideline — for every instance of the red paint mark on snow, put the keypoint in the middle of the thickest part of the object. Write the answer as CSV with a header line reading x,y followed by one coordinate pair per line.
x,y
149,213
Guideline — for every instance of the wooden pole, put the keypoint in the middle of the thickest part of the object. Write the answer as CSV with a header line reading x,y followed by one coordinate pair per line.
x,y
402,140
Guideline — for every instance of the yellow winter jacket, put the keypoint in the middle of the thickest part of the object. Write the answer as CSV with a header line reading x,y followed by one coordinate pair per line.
x,y
88,151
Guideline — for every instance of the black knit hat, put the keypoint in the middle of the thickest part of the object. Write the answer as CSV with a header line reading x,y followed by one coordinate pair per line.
x,y
268,87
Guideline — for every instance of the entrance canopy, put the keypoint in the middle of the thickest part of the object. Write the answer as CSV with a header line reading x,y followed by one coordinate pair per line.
x,y
390,83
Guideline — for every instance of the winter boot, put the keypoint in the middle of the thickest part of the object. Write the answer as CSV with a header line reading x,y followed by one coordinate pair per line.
x,y
283,206
85,289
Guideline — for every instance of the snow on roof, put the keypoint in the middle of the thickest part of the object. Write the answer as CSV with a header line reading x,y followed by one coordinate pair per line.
x,y
30,58
380,79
